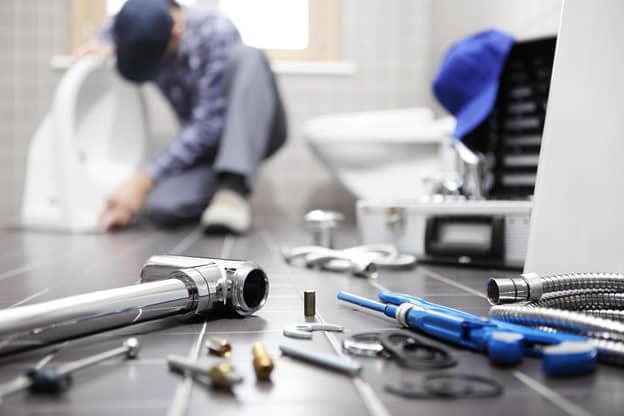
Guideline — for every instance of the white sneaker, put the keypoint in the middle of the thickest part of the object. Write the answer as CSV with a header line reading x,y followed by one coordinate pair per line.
x,y
228,212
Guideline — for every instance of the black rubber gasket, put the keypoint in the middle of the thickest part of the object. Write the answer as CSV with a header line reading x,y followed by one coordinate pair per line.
x,y
459,385
446,386
410,352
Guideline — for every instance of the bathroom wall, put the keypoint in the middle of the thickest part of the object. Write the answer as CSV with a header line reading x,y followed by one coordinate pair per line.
x,y
524,19
395,46
31,31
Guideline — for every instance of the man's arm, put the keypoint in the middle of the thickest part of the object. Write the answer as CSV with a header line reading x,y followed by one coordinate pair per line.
x,y
203,130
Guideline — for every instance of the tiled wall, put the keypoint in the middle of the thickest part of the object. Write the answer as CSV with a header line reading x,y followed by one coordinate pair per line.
x,y
31,31
395,45
388,41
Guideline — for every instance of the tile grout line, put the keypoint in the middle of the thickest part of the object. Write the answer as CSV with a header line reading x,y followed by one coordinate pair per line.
x,y
372,402
187,242
31,297
140,242
552,396
183,392
440,278
28,267
182,395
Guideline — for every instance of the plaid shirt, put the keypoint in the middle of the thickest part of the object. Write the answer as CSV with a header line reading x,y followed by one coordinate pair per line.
x,y
192,80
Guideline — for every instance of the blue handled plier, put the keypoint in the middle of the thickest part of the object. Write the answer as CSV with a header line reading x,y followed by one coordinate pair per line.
x,y
504,343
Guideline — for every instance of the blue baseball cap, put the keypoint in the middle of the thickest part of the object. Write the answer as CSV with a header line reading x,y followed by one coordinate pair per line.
x,y
467,82
141,31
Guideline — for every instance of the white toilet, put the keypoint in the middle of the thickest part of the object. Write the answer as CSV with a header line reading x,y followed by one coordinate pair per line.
x,y
384,154
93,138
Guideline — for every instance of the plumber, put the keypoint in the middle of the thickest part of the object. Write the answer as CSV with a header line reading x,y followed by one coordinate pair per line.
x,y
228,105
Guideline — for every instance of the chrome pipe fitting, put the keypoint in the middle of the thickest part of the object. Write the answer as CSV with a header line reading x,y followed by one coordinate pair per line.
x,y
530,286
170,285
527,286
241,285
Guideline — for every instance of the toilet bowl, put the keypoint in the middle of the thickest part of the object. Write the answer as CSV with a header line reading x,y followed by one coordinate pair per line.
x,y
94,137
384,154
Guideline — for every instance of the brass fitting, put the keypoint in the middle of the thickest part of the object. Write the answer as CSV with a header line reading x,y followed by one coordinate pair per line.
x,y
224,376
219,346
262,362
309,303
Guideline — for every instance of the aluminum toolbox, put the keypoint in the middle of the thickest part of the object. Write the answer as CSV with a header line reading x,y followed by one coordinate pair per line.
x,y
490,233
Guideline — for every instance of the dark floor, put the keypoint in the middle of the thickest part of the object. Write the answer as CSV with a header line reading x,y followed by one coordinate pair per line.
x,y
39,267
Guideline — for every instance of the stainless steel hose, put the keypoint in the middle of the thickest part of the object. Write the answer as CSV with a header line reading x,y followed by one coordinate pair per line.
x,y
591,304
530,286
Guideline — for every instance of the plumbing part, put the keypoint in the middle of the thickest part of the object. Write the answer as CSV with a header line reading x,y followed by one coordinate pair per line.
x,y
366,344
360,260
222,375
333,260
322,224
309,303
583,303
304,331
262,362
473,171
531,286
219,346
58,379
410,352
505,343
446,385
172,285
328,361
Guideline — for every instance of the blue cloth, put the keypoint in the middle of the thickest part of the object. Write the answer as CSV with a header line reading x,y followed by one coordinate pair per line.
x,y
466,83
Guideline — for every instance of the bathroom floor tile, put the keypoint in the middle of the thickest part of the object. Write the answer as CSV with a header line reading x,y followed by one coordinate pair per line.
x,y
38,267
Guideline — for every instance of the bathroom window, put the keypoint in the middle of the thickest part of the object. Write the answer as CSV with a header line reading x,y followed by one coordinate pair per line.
x,y
288,29
296,30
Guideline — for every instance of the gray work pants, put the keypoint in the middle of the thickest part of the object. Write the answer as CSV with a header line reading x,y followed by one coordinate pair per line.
x,y
254,129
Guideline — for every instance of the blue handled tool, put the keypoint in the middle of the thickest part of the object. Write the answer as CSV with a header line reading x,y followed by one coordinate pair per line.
x,y
504,343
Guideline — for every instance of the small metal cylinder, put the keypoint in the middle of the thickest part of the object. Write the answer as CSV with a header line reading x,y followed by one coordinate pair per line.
x,y
262,362
309,303
219,346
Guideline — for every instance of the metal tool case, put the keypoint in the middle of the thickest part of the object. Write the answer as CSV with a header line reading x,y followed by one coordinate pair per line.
x,y
490,233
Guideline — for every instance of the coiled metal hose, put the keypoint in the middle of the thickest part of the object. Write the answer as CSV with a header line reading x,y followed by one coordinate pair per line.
x,y
590,304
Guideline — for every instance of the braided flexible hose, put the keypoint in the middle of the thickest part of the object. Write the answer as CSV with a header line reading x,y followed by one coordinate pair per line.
x,y
560,319
578,300
530,286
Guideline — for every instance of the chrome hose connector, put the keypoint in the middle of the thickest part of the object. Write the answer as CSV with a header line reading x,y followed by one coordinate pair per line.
x,y
241,286
527,286
531,287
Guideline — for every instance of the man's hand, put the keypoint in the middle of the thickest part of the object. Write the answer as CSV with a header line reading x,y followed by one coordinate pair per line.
x,y
93,47
126,202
